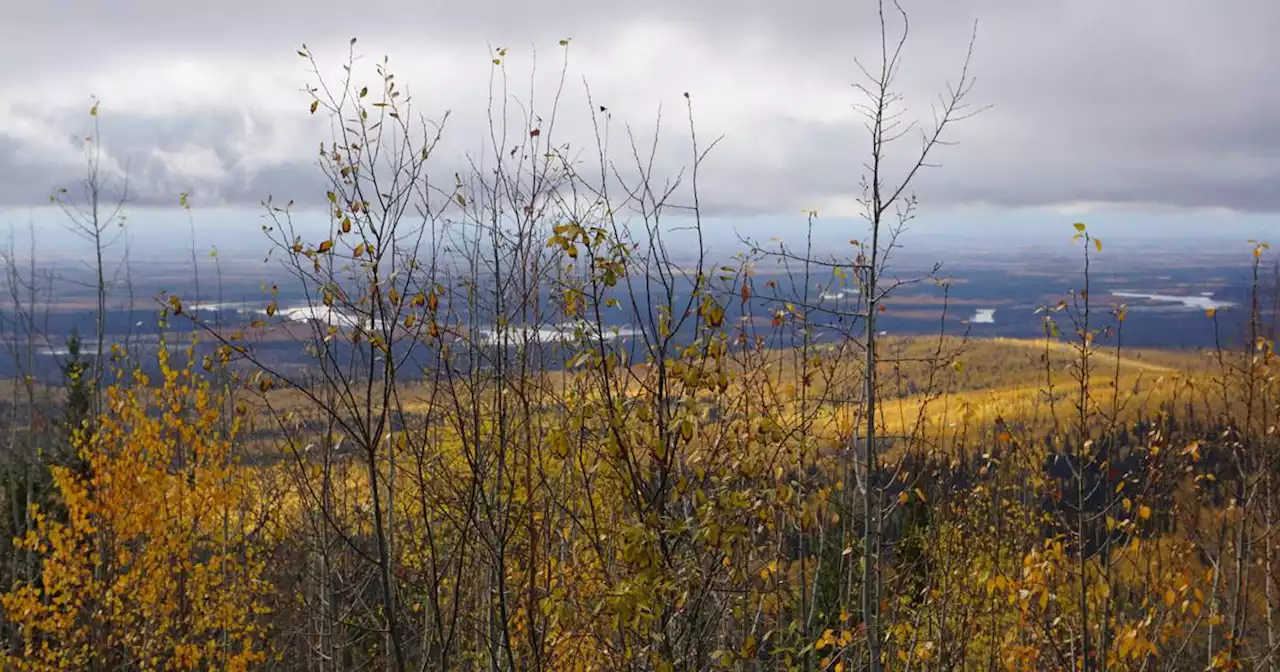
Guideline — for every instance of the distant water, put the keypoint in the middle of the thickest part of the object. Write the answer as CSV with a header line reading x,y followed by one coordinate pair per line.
x,y
567,332
327,315
1202,301
511,336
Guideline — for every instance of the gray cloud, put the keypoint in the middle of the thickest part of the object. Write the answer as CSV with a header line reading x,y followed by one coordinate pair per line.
x,y
1164,102
25,173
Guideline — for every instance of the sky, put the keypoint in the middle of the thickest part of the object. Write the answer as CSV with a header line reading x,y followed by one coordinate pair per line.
x,y
1156,117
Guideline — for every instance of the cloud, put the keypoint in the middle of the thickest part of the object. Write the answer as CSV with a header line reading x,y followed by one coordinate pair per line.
x,y
1165,103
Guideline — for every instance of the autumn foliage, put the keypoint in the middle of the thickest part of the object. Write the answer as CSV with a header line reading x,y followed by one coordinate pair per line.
x,y
154,565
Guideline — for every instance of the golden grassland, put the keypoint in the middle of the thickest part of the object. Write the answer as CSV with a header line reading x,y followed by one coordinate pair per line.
x,y
978,388
948,390
929,386
946,393
921,379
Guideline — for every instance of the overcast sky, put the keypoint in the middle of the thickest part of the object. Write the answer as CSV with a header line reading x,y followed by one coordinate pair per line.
x,y
1147,106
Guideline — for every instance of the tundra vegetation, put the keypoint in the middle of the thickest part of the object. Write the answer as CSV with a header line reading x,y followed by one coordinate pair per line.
x,y
479,470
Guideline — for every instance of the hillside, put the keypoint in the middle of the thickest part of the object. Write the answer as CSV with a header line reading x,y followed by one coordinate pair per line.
x,y
550,387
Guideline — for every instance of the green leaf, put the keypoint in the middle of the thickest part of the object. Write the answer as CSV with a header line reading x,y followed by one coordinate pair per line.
x,y
333,198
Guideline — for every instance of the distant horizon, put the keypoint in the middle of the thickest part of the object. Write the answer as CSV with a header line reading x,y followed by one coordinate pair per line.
x,y
238,231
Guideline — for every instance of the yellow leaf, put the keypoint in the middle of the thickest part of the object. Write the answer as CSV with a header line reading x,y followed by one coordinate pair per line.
x,y
325,246
1079,226
1144,511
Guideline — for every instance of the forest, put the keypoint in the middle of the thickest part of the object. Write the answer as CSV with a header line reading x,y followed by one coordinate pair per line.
x,y
751,477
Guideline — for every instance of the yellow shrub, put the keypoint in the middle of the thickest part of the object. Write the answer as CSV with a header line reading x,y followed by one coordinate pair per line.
x,y
152,567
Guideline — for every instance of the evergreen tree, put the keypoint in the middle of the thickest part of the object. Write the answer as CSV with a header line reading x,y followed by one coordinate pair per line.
x,y
77,408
